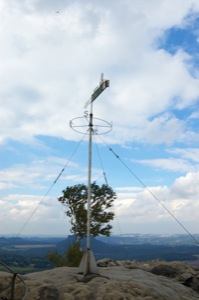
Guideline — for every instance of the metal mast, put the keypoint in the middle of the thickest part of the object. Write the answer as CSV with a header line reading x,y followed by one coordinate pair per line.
x,y
88,264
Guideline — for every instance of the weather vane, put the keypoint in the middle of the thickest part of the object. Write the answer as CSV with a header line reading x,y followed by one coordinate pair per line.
x,y
90,125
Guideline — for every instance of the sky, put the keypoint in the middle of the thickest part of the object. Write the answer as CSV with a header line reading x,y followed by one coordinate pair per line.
x,y
52,54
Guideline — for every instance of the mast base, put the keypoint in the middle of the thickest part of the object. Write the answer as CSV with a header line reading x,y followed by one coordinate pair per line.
x,y
88,264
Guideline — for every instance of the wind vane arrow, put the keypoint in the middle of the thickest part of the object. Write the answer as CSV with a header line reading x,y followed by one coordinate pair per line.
x,y
98,90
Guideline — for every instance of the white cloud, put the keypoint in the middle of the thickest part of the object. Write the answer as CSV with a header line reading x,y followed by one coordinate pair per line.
x,y
50,64
37,213
4,186
191,154
194,115
144,210
169,164
128,189
187,187
40,174
184,160
134,209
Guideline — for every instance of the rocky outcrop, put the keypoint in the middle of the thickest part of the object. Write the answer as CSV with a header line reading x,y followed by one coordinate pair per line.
x,y
154,280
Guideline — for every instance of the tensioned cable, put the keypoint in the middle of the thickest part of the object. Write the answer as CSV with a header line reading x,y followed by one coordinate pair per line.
x,y
150,192
101,163
106,181
48,191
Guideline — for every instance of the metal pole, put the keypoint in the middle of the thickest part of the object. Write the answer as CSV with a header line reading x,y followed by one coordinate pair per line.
x,y
88,264
89,187
13,286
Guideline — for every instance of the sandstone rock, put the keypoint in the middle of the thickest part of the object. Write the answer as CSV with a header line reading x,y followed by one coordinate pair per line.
x,y
128,281
166,270
105,262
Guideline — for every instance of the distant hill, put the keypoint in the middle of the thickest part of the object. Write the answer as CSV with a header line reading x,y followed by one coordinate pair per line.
x,y
96,245
139,252
153,239
6,241
125,239
133,247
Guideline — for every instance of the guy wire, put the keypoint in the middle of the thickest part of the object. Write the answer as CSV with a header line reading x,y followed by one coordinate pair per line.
x,y
106,181
48,191
101,163
150,192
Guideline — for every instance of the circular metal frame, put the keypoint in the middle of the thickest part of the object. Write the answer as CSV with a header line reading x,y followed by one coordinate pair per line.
x,y
99,126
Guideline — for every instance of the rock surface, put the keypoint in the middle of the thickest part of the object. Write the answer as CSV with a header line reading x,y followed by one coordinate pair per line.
x,y
118,280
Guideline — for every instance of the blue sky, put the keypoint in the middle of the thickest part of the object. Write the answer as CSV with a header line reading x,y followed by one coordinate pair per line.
x,y
52,54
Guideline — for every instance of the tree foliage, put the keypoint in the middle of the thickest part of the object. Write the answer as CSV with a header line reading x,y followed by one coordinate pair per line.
x,y
75,200
72,257
73,254
56,259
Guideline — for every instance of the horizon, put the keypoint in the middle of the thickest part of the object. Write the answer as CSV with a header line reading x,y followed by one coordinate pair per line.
x,y
51,63
100,236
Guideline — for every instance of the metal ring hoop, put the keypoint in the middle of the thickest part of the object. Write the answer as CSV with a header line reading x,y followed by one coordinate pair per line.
x,y
75,124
